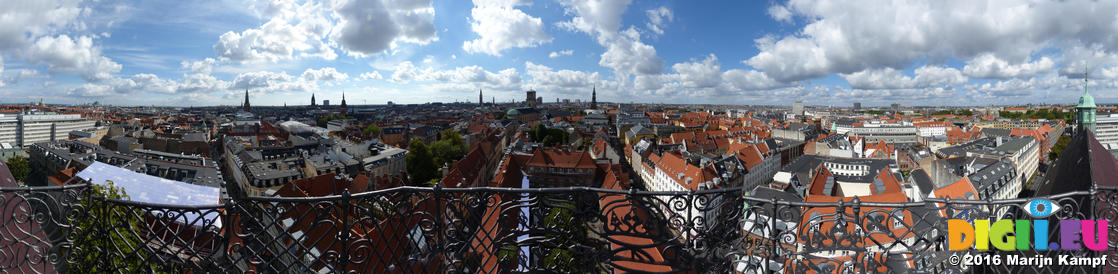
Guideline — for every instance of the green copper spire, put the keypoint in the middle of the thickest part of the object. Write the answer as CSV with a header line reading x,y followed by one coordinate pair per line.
x,y
1085,111
1086,101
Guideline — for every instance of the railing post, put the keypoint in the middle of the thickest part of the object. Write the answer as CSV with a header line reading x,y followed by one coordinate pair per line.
x,y
104,229
857,231
436,194
690,222
343,258
227,224
773,235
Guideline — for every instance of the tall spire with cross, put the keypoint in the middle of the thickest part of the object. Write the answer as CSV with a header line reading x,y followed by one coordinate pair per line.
x,y
1085,111
594,98
246,105
345,109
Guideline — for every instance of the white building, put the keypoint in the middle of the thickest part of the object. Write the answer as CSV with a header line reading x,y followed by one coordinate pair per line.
x,y
929,129
1106,129
27,129
9,127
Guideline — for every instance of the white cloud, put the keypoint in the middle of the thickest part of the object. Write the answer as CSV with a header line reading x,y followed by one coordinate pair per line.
x,y
200,82
502,26
546,79
1020,87
706,78
848,37
750,80
317,29
265,80
507,78
22,22
989,66
594,17
204,66
326,74
371,26
634,63
19,75
375,75
627,55
888,78
406,72
76,56
403,73
291,30
1098,61
658,18
780,13
142,83
557,54
705,74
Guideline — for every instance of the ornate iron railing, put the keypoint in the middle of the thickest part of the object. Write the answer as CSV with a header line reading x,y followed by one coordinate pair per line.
x,y
420,230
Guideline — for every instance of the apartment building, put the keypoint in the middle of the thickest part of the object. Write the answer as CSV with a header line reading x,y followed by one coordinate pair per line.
x,y
26,129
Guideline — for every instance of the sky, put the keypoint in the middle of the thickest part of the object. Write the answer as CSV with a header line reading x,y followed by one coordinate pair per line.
x,y
823,52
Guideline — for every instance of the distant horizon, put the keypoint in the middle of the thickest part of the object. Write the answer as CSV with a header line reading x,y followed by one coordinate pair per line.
x,y
948,53
332,105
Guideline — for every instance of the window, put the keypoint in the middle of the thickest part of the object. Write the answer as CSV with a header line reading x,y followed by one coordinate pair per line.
x,y
898,220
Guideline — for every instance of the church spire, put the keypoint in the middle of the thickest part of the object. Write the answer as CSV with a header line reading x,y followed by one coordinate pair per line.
x,y
246,106
344,110
313,102
480,101
1085,111
594,98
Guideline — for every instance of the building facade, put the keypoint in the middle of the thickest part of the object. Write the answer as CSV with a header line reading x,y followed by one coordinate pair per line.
x,y
889,134
27,129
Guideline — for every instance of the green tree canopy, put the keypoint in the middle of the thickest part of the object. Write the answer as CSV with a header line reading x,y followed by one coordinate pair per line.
x,y
372,130
420,163
111,226
1061,144
549,136
20,167
449,148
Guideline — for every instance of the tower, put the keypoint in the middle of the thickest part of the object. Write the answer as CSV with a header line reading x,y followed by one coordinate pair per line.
x,y
531,100
1085,111
344,109
594,98
246,106
312,100
479,100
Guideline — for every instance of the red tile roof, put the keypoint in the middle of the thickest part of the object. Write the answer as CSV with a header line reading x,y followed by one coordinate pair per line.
x,y
563,159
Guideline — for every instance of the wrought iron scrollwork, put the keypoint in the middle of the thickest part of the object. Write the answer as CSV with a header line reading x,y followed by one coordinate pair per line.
x,y
486,230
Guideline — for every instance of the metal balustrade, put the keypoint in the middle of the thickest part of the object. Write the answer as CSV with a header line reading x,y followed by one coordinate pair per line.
x,y
472,230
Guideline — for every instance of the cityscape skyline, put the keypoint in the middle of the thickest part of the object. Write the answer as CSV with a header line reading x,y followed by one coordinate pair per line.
x,y
573,136
763,53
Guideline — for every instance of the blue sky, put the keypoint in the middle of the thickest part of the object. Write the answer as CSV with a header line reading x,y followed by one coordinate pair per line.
x,y
414,51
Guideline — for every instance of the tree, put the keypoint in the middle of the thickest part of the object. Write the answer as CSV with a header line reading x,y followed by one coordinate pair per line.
x,y
420,163
449,148
19,167
1061,144
113,229
373,130
323,121
549,136
537,134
